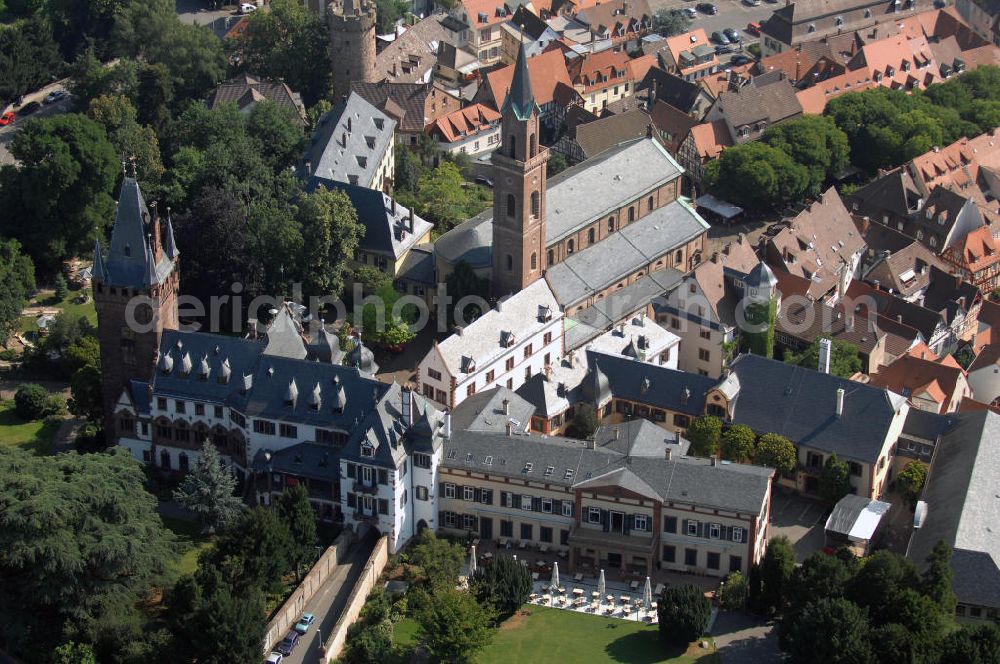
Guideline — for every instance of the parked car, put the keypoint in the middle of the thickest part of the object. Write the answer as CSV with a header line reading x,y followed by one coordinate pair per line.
x,y
733,34
274,658
691,13
707,8
288,643
723,48
739,59
940,4
754,29
29,108
55,96
719,38
7,118
751,3
303,625
246,8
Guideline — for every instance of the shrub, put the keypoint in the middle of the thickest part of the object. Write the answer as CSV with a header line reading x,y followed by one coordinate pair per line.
x,y
683,612
31,402
505,583
733,594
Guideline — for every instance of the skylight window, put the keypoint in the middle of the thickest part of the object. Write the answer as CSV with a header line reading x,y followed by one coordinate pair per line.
x,y
528,467
549,470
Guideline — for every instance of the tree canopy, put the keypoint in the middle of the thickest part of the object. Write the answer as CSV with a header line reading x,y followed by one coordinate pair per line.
x,y
911,481
776,452
834,480
815,142
454,626
756,175
670,22
683,613
209,490
845,359
504,584
703,433
17,281
738,443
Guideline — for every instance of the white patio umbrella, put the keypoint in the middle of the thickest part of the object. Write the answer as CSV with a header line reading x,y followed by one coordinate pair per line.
x,y
472,561
555,575
647,596
601,587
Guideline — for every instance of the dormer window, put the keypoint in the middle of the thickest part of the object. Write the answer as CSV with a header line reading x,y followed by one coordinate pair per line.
x,y
812,27
838,21
544,314
367,450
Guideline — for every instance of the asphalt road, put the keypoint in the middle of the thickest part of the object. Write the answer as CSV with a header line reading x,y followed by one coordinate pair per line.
x,y
7,133
199,12
328,603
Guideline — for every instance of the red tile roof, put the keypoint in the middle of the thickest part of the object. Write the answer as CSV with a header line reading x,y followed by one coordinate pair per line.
x,y
464,122
546,71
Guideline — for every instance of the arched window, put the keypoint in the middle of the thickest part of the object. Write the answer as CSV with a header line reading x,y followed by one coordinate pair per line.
x,y
649,204
679,256
165,459
631,214
510,146
536,203
182,462
534,261
510,263
590,236
534,145
611,224
569,247
511,205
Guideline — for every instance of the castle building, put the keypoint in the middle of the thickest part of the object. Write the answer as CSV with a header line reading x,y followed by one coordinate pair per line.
x,y
352,43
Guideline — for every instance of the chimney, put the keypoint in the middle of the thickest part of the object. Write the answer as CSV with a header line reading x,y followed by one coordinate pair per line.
x,y
961,302
505,405
410,224
343,140
308,166
715,257
840,401
348,123
509,428
393,204
899,318
447,424
407,406
668,453
824,355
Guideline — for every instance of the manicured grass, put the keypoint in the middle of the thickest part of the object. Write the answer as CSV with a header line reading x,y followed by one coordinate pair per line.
x,y
192,543
541,634
35,435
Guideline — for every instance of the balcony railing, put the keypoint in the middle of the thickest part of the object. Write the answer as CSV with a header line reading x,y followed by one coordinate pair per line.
x,y
361,487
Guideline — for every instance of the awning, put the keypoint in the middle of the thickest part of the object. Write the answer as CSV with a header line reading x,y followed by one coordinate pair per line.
x,y
719,207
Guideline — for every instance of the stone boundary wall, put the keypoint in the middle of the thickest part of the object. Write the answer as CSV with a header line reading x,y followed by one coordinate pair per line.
x,y
364,585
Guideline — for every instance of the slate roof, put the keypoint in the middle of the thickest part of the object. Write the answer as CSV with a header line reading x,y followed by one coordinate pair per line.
x,y
688,481
418,266
634,246
480,340
893,194
483,411
922,319
906,271
671,89
410,57
310,460
130,259
800,404
386,223
963,509
574,198
667,388
404,101
910,375
284,336
350,142
814,320
770,101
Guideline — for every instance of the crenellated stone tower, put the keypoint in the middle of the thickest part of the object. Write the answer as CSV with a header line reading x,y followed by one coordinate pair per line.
x,y
352,40
519,189
135,293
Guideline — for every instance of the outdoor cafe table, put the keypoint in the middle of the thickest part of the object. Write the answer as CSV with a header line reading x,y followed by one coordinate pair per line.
x,y
611,599
578,592
595,594
625,599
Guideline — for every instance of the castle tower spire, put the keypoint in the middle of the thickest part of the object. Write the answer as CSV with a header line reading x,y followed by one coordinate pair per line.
x,y
519,240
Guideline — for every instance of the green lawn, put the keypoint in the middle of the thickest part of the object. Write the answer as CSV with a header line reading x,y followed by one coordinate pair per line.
x,y
192,543
551,635
49,300
36,435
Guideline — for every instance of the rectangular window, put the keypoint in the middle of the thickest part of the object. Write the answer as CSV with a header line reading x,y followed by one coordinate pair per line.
x,y
735,564
383,506
669,553
288,431
527,373
490,376
421,493
470,390
681,420
670,524
161,403
449,520
179,406
468,522
855,468
567,508
593,515
509,364
641,522
527,351
486,496
449,490
704,355
692,528
506,529
199,409
714,530
468,493
691,557
547,339
713,560
527,531
432,373
547,505
737,534
545,534
422,460
218,412
705,334
264,427
526,503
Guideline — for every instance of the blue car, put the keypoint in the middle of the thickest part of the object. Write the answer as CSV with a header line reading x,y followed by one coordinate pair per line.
x,y
288,643
303,625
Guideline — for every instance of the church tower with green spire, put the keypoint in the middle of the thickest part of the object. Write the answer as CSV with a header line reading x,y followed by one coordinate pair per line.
x,y
519,189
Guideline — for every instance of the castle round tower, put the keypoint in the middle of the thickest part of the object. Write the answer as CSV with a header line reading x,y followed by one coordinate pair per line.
x,y
352,38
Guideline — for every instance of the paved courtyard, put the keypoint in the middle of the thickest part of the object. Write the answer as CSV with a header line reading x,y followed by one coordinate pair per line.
x,y
744,639
799,519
